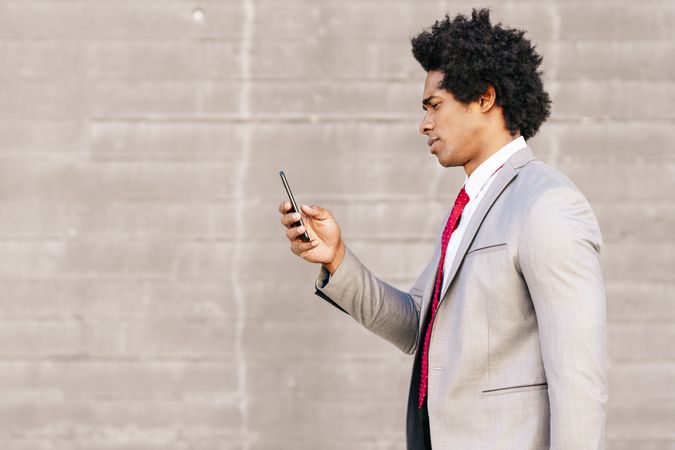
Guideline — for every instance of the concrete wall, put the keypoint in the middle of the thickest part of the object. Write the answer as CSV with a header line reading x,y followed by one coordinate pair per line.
x,y
148,299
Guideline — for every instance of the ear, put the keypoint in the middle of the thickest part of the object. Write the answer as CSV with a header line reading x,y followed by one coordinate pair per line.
x,y
487,99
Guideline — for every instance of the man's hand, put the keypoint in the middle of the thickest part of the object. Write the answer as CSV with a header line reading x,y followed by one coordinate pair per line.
x,y
325,245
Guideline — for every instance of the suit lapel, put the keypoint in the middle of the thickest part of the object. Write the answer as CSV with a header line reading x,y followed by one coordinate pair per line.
x,y
503,178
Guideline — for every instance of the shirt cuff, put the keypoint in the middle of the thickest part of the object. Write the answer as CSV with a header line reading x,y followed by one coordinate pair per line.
x,y
323,278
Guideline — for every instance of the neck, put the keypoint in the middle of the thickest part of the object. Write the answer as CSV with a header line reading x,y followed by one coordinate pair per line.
x,y
491,147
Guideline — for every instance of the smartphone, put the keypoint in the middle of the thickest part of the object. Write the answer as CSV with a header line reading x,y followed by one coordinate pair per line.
x,y
294,207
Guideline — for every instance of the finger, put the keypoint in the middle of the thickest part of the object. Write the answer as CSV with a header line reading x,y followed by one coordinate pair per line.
x,y
284,207
313,244
316,212
300,247
293,233
290,219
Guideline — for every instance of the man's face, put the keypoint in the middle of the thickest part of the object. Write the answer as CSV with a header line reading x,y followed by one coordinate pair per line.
x,y
452,127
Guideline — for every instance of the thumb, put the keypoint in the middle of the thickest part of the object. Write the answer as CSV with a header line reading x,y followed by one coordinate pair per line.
x,y
315,212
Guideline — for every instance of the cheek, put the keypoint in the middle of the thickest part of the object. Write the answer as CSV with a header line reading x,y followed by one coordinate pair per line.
x,y
458,129
452,132
448,123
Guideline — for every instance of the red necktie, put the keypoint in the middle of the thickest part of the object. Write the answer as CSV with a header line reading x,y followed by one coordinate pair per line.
x,y
453,221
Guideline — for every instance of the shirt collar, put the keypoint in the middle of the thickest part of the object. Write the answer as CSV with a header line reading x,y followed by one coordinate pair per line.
x,y
482,174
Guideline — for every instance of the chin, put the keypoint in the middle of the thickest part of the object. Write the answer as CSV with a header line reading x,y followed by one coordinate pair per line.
x,y
444,163
449,162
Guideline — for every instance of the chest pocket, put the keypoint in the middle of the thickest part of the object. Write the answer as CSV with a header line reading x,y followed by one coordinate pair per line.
x,y
486,248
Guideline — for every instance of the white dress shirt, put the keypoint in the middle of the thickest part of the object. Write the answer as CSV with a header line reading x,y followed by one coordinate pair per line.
x,y
476,186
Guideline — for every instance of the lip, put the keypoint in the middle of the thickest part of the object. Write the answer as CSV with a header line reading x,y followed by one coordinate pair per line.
x,y
431,143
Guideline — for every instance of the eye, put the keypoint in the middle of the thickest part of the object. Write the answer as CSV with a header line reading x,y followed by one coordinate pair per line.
x,y
435,106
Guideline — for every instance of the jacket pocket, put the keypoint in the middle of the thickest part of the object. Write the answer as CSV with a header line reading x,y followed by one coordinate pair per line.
x,y
486,248
513,389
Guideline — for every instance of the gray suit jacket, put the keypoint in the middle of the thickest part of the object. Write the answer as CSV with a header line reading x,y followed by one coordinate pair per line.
x,y
517,358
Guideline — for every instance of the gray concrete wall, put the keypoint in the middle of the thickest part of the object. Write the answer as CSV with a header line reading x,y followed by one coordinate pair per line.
x,y
148,299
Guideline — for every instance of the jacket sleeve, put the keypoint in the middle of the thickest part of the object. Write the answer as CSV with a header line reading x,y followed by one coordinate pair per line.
x,y
559,259
386,311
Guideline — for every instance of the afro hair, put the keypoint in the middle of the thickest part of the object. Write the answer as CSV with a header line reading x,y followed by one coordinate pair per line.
x,y
473,54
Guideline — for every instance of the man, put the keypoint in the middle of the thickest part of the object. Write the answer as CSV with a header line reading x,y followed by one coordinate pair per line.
x,y
507,322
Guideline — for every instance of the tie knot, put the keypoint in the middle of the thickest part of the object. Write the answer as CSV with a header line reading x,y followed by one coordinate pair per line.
x,y
462,198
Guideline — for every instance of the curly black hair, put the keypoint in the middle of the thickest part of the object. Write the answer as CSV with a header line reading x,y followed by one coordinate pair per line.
x,y
473,54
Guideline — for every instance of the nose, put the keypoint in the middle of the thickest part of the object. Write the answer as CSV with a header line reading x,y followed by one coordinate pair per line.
x,y
426,126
